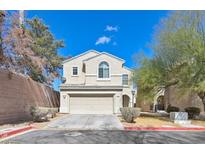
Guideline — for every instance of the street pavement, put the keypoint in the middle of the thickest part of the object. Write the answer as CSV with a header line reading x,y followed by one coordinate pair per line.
x,y
108,137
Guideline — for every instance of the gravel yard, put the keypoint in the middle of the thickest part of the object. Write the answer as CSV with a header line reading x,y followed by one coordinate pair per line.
x,y
35,124
144,121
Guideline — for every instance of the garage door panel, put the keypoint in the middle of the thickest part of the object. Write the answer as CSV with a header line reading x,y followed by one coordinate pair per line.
x,y
91,105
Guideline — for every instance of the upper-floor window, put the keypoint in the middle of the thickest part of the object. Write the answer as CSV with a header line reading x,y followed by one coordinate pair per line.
x,y
125,79
75,70
103,70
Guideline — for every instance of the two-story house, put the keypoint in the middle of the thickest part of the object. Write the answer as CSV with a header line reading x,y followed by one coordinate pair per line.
x,y
95,83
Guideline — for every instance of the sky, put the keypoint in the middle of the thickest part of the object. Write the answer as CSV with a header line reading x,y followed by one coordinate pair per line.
x,y
121,33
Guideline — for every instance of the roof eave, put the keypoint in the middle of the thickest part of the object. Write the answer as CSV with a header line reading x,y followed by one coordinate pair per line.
x,y
67,60
108,54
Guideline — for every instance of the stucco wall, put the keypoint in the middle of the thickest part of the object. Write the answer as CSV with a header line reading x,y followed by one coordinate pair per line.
x,y
18,93
78,62
113,81
115,65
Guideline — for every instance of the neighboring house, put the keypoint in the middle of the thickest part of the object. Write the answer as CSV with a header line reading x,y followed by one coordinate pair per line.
x,y
95,83
171,96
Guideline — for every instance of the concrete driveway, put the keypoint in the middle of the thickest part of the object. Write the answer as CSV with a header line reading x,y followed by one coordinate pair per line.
x,y
87,122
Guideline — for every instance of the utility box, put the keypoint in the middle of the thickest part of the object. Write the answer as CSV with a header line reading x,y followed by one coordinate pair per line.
x,y
179,117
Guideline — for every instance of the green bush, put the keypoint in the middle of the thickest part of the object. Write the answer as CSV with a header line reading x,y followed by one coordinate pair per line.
x,y
130,114
192,111
172,109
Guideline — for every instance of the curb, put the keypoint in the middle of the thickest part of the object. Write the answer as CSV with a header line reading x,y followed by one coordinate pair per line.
x,y
165,129
15,131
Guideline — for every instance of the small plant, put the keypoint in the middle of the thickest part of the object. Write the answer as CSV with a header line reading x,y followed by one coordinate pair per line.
x,y
172,109
10,75
51,113
192,112
38,115
130,114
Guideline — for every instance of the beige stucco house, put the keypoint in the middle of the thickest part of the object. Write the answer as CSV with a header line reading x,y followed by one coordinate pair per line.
x,y
96,83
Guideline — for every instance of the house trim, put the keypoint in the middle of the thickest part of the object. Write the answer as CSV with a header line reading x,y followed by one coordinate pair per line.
x,y
83,87
129,69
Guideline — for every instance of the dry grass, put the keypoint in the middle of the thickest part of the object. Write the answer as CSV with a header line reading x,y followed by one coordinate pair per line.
x,y
35,124
40,125
150,122
144,121
198,122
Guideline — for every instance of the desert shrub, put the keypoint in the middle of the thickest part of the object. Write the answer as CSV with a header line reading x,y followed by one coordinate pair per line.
x,y
38,115
51,113
130,114
172,109
192,111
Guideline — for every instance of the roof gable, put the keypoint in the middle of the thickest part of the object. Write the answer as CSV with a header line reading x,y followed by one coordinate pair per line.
x,y
82,54
104,53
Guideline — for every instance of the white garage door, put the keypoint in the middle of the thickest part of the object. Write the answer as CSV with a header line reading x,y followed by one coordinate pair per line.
x,y
91,104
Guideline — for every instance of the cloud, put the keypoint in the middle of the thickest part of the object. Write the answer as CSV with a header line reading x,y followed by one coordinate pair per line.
x,y
111,28
103,40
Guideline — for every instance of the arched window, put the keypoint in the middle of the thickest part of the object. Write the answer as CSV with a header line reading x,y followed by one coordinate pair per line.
x,y
103,70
